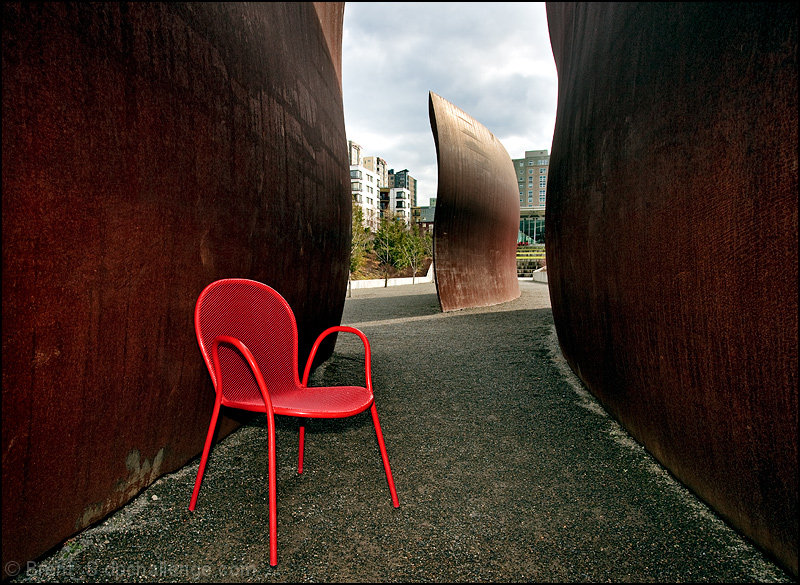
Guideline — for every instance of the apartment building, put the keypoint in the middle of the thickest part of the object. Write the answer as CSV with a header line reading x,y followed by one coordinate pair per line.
x,y
354,152
403,180
423,216
379,190
396,201
366,193
532,182
364,187
378,166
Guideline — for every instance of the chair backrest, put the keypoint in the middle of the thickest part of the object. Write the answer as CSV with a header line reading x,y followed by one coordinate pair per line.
x,y
259,317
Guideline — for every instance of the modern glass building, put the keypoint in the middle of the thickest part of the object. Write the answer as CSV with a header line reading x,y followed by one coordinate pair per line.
x,y
532,182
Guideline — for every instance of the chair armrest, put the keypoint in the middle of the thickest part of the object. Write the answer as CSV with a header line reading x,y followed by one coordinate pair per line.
x,y
251,362
345,329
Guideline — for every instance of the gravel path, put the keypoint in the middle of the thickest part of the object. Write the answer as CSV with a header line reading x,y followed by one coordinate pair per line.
x,y
507,470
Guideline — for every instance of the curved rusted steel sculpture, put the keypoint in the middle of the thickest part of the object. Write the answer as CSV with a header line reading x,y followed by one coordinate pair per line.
x,y
148,150
672,241
477,212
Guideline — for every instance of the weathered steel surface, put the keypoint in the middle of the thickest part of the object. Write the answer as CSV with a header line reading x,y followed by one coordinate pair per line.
x,y
149,149
477,212
672,240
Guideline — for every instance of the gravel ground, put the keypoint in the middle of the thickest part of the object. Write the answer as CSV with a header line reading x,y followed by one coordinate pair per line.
x,y
507,470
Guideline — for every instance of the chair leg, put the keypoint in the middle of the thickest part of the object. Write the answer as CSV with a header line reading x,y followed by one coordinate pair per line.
x,y
384,456
300,449
273,498
204,458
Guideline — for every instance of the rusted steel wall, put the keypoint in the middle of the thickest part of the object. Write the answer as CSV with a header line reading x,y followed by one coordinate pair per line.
x,y
672,240
149,149
331,19
477,212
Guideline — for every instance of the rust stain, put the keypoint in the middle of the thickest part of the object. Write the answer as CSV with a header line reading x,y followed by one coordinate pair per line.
x,y
671,225
141,473
150,148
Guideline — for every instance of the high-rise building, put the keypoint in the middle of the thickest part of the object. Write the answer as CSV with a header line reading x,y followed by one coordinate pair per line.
x,y
380,191
532,178
403,180
365,188
354,151
532,181
377,165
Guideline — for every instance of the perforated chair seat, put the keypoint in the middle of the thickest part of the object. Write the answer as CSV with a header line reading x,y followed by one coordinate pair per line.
x,y
247,335
311,402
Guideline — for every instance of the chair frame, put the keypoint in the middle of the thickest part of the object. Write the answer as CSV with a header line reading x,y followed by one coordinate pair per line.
x,y
214,365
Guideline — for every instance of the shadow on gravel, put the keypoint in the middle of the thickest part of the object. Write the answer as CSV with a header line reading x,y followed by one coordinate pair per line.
x,y
374,308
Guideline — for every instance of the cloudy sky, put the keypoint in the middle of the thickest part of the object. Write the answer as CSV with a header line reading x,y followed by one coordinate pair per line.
x,y
492,60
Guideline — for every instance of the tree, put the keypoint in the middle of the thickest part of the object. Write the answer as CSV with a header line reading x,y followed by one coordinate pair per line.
x,y
413,249
360,240
387,244
427,238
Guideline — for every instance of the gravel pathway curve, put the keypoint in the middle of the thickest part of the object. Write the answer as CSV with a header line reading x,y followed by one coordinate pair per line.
x,y
507,470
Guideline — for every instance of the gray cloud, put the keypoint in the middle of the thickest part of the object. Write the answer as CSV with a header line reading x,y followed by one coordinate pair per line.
x,y
493,60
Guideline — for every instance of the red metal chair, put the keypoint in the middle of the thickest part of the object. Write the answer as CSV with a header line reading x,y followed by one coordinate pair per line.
x,y
248,337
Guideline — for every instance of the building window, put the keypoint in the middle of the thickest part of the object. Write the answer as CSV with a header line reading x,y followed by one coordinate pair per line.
x,y
542,171
530,195
543,162
542,196
530,171
530,163
355,174
542,181
355,186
